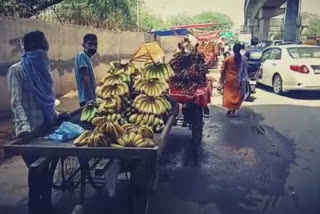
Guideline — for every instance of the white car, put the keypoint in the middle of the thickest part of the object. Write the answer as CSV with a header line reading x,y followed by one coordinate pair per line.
x,y
291,67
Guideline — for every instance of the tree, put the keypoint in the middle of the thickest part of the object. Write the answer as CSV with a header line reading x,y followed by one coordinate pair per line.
x,y
25,8
313,20
150,21
206,17
107,14
180,19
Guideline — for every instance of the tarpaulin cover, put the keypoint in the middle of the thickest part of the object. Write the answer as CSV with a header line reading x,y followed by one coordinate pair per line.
x,y
202,96
174,32
196,26
149,51
208,36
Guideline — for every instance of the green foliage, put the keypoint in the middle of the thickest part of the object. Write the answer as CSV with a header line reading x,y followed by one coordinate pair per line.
x,y
151,21
206,17
110,14
24,8
314,24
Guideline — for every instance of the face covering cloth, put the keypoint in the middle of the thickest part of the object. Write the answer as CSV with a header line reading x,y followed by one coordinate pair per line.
x,y
36,67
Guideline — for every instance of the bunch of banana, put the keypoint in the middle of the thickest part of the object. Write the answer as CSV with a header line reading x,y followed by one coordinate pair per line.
x,y
83,139
158,126
88,113
98,139
154,122
152,105
110,129
110,104
145,131
98,121
116,118
161,71
135,140
119,89
127,68
115,78
151,87
143,119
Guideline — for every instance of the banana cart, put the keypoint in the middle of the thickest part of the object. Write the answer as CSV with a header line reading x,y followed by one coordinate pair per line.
x,y
75,167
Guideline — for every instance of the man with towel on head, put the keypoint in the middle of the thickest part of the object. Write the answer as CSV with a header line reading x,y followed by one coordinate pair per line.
x,y
33,106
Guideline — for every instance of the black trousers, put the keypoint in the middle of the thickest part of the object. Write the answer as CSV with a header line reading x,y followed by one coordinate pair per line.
x,y
40,183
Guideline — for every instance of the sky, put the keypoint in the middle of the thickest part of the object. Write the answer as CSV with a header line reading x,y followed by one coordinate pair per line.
x,y
233,8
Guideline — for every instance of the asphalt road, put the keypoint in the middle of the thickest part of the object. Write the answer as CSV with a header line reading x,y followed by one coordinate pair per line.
x,y
263,161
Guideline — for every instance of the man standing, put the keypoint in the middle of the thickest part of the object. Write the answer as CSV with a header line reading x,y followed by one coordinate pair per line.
x,y
32,102
84,70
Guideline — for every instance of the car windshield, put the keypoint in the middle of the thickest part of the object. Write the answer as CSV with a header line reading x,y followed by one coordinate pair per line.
x,y
304,52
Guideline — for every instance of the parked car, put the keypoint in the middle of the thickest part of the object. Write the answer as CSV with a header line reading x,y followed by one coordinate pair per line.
x,y
291,67
281,42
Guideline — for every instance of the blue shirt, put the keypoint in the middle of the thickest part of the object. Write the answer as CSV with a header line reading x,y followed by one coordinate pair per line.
x,y
84,61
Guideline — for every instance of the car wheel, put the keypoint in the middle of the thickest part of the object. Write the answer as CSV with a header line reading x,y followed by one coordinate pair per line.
x,y
277,84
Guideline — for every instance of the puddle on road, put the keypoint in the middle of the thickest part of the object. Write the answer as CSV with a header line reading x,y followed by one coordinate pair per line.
x,y
243,166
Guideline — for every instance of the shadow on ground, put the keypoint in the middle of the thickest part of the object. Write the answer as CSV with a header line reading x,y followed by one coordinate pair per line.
x,y
243,168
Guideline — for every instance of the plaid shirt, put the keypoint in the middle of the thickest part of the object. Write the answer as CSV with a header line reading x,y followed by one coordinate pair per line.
x,y
27,114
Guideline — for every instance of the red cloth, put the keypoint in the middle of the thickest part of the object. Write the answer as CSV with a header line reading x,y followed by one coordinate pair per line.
x,y
202,96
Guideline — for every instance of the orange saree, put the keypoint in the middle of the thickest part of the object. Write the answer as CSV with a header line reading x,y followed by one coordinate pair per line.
x,y
232,96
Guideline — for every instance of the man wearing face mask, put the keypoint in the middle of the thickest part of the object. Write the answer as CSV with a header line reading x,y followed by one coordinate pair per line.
x,y
84,70
32,103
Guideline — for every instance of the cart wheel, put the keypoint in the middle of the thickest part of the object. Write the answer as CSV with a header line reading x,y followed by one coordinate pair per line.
x,y
197,126
78,209
197,129
98,183
142,184
67,171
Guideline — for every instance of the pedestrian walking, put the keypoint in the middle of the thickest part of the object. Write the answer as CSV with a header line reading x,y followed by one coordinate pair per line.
x,y
233,77
85,77
33,106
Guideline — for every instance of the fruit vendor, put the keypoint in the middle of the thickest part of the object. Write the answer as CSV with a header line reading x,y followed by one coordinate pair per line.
x,y
84,70
32,103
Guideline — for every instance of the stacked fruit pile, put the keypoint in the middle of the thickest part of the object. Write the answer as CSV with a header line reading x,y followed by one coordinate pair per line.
x,y
160,71
152,103
190,72
129,108
110,134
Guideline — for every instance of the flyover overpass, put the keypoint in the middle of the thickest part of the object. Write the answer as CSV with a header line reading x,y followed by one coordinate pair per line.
x,y
259,12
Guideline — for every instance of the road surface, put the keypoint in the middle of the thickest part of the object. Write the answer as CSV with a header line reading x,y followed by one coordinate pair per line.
x,y
264,161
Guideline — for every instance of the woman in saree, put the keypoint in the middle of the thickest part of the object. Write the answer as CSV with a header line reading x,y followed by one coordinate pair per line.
x,y
233,77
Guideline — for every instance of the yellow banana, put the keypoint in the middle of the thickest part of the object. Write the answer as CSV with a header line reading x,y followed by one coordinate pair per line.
x,y
98,121
136,143
131,137
125,138
121,142
116,145
139,119
137,137
82,136
133,118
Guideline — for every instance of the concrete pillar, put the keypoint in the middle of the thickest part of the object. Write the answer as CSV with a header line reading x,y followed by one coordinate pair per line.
x,y
292,15
265,14
264,29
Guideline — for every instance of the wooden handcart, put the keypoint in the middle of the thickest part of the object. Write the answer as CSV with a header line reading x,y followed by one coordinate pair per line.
x,y
75,167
